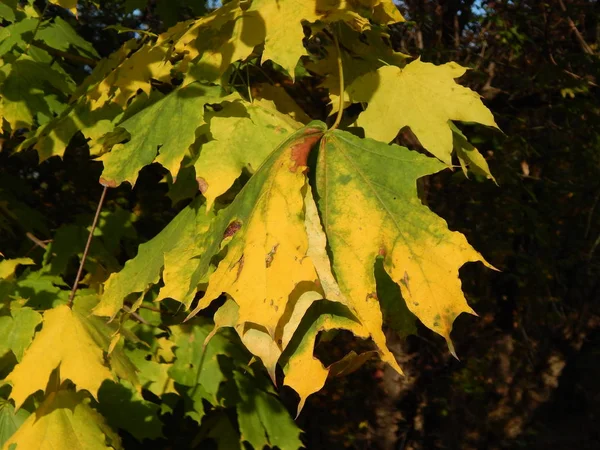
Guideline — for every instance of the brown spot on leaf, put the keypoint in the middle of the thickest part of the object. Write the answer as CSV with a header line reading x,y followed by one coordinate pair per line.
x,y
270,255
108,183
302,147
240,265
202,184
382,251
232,228
372,296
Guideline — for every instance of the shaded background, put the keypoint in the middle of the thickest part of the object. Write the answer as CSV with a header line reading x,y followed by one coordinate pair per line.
x,y
528,369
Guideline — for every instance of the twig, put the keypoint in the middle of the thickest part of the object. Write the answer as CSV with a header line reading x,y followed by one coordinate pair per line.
x,y
87,247
135,315
584,45
37,241
340,112
68,56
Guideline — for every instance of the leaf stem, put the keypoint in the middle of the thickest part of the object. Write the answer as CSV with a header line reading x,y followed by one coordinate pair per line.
x,y
87,247
340,112
248,84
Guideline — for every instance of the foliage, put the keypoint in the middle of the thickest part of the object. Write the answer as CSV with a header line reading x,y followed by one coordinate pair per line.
x,y
284,223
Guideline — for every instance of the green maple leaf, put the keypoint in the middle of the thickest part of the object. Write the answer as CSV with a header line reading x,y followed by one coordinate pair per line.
x,y
10,421
161,132
24,91
171,252
60,35
16,331
262,418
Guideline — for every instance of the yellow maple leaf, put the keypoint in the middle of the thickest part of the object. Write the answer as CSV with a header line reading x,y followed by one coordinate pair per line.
x,y
265,237
64,421
259,128
422,96
63,341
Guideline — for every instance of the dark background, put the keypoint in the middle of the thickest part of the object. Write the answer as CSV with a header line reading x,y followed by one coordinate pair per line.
x,y
529,364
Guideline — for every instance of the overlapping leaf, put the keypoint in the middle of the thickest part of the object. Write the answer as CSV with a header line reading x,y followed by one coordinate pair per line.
x,y
74,342
263,231
161,132
65,420
403,97
259,128
375,184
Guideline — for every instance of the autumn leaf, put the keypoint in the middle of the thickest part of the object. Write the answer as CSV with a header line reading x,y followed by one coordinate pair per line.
x,y
8,266
303,371
64,420
375,184
259,128
403,97
63,341
263,231
283,45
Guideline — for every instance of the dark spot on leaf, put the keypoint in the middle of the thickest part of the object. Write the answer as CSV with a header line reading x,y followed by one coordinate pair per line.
x,y
372,296
202,184
344,179
270,255
232,228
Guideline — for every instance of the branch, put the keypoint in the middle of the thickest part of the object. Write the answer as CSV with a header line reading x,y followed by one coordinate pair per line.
x,y
87,247
584,45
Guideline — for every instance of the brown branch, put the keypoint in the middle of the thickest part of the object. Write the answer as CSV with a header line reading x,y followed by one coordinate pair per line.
x,y
584,45
87,247
68,56
36,241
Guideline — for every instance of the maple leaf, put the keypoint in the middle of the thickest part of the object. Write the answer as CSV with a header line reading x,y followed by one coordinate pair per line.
x,y
65,420
10,421
16,331
265,261
120,78
166,127
403,97
63,341
259,127
303,371
25,88
197,364
172,249
125,408
61,36
8,266
375,184
263,420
